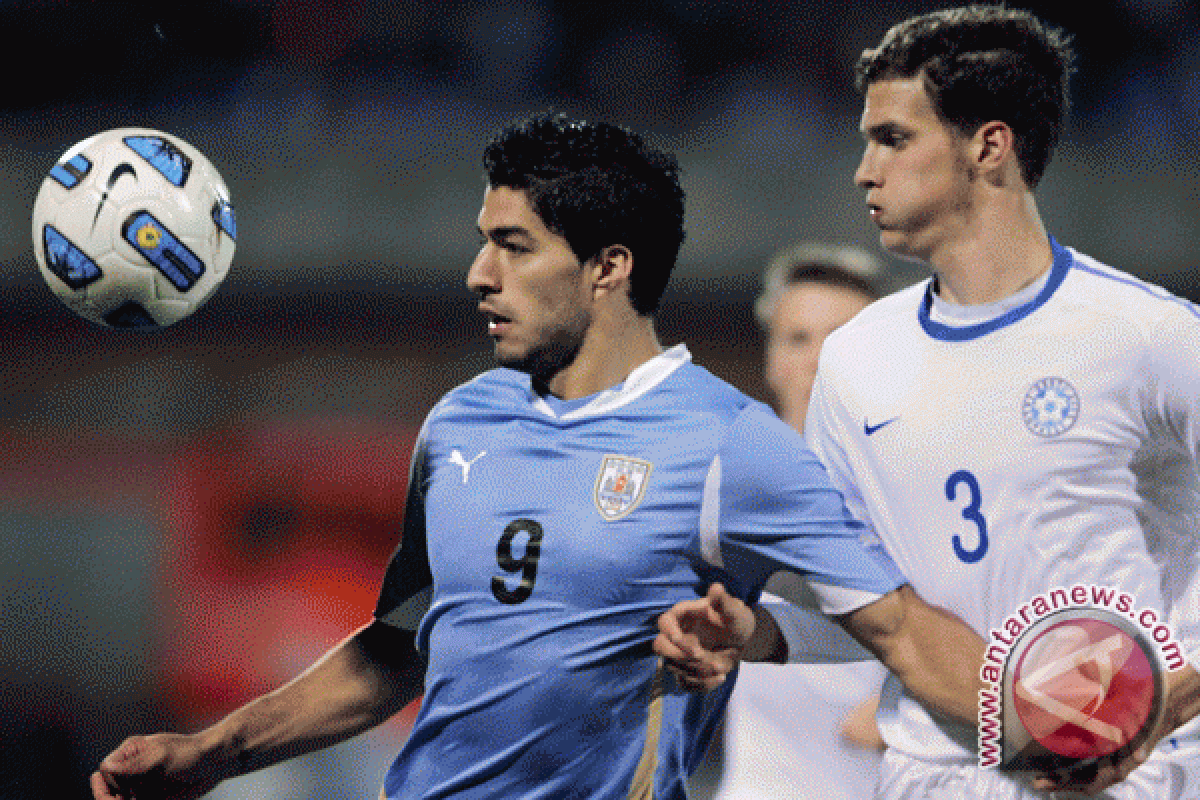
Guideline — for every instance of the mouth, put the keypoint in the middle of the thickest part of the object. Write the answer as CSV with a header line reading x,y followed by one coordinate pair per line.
x,y
497,323
875,212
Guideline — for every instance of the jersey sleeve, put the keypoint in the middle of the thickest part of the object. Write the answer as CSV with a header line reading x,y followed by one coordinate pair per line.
x,y
1171,404
780,513
812,636
823,426
1173,382
407,586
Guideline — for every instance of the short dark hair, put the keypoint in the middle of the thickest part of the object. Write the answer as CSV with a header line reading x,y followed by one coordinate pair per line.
x,y
981,63
597,185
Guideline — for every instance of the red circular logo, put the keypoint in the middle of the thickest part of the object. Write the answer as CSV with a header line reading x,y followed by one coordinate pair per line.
x,y
1084,687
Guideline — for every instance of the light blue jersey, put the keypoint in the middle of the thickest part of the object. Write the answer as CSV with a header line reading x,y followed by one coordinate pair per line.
x,y
542,541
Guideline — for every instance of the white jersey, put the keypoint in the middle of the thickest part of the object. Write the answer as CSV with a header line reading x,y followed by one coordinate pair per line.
x,y
783,733
1000,452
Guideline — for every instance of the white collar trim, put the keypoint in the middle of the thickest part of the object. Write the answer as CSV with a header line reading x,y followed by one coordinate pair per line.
x,y
640,381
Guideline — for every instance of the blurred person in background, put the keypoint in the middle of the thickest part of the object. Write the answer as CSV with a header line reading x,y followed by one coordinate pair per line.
x,y
804,730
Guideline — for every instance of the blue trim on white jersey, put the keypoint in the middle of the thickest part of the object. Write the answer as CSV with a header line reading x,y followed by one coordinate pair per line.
x,y
1136,283
1063,261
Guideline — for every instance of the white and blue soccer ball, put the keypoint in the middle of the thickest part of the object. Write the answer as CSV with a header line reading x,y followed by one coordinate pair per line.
x,y
133,228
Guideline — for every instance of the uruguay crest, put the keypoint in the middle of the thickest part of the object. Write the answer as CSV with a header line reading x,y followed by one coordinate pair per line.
x,y
620,485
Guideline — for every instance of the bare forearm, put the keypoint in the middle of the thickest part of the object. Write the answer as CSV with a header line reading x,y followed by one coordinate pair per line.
x,y
808,636
945,677
935,655
767,643
1183,697
354,687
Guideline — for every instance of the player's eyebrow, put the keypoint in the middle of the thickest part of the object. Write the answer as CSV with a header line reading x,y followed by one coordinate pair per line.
x,y
882,130
503,232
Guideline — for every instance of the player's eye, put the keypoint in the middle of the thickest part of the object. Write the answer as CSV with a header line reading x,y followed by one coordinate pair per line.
x,y
887,136
513,246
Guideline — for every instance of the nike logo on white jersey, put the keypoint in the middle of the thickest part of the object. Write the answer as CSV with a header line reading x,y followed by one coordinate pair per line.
x,y
870,429
456,458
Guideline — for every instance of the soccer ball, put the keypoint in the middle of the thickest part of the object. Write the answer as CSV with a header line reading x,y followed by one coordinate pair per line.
x,y
133,228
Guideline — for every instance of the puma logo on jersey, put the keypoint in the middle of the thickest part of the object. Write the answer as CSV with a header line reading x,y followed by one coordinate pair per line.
x,y
456,458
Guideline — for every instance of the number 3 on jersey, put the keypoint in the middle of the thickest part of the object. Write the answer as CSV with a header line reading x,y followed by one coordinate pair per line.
x,y
527,564
970,513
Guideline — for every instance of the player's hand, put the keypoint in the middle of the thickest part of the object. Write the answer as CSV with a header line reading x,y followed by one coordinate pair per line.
x,y
1098,775
702,640
165,765
859,728
1182,705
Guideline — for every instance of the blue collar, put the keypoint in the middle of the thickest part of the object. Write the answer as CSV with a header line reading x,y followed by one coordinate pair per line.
x,y
952,333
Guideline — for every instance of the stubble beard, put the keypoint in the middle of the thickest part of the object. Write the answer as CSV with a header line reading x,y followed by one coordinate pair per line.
x,y
547,360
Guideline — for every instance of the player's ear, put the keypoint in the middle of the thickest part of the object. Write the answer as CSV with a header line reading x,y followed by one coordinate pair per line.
x,y
612,268
993,148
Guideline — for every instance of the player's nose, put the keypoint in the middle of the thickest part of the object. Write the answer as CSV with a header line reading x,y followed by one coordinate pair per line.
x,y
483,276
866,175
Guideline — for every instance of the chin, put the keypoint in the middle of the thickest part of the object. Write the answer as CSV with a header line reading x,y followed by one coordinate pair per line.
x,y
506,357
901,246
532,363
893,241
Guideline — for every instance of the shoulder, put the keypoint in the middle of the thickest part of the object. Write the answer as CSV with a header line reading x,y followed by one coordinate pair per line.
x,y
883,317
759,446
1107,284
695,389
491,383
496,386
718,412
491,392
871,340
1154,313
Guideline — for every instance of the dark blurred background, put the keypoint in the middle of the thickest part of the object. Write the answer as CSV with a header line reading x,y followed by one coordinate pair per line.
x,y
191,516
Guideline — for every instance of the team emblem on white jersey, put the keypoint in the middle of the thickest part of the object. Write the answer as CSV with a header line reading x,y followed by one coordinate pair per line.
x,y
1051,407
620,485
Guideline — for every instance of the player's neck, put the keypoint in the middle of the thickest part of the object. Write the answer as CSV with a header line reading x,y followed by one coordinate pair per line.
x,y
998,253
613,348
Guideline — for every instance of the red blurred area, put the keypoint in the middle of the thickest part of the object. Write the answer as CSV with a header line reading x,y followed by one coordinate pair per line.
x,y
276,541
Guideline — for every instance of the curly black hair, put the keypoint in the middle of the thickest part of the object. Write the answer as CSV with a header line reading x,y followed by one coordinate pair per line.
x,y
596,185
981,63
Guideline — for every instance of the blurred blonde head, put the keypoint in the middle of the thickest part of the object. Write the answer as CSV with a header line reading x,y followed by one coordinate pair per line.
x,y
809,290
